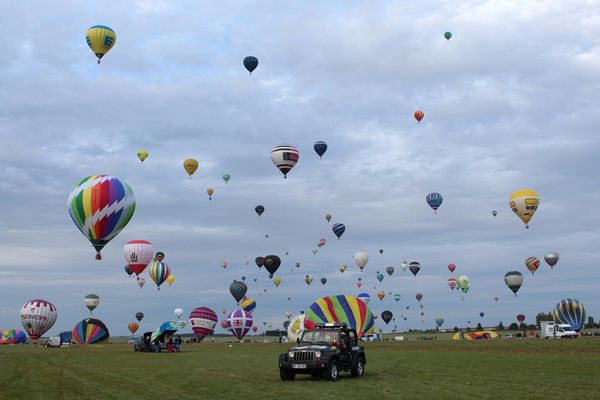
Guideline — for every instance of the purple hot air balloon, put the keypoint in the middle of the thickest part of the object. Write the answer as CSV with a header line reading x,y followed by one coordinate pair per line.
x,y
203,321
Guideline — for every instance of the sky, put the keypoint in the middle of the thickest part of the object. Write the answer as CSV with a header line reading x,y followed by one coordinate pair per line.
x,y
510,102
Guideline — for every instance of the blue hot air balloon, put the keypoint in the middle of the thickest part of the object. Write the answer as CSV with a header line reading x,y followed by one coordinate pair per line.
x,y
570,311
338,229
320,148
250,63
434,200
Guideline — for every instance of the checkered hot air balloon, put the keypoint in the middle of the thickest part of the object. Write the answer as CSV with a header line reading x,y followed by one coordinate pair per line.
x,y
203,321
285,157
239,323
101,206
238,290
570,311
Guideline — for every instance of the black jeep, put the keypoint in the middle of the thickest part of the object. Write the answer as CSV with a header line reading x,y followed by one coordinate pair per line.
x,y
330,348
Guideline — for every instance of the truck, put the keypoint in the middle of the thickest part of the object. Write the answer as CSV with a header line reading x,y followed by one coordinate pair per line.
x,y
328,349
553,330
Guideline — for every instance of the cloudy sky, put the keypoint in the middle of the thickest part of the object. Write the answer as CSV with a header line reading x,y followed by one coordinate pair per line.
x,y
510,102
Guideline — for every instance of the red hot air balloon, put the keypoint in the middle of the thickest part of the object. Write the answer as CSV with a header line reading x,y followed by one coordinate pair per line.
x,y
451,267
419,115
203,321
419,296
520,318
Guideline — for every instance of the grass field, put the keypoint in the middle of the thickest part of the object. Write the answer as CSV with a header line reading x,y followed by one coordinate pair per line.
x,y
511,369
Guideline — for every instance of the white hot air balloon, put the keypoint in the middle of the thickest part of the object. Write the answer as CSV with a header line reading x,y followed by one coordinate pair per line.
x,y
285,156
361,259
182,323
404,265
138,254
178,312
37,317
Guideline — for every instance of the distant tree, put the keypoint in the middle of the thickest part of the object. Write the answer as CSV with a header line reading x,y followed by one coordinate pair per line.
x,y
479,327
590,323
513,327
500,326
543,317
456,329
468,329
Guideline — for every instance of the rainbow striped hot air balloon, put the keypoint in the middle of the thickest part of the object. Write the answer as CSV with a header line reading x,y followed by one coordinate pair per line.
x,y
203,321
90,331
14,336
101,206
570,311
343,308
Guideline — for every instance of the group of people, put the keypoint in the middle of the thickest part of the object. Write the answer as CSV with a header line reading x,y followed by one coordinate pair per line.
x,y
166,343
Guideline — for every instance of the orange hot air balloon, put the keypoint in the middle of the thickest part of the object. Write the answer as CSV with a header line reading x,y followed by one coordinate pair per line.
x,y
210,192
419,115
133,327
380,295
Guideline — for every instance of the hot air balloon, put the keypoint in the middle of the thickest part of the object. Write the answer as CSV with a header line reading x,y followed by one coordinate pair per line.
x,y
101,206
343,308
178,312
514,280
37,317
389,270
338,229
210,192
285,156
170,279
532,264
414,267
259,210
328,217
240,323
421,306
238,290
521,318
364,297
397,296
419,297
203,321
494,213
463,283
452,283
308,279
272,263
91,301
322,242
524,203
248,304
387,316
133,327
277,281
448,35
439,321
101,39
260,261
434,200
380,295
481,314
12,336
142,155
570,311
141,282
225,324
190,165
552,258
361,259
226,178
323,280
320,148
297,265
128,270
380,251
250,63
138,254
496,298
451,267
343,268
379,277
404,265
90,331
419,115
296,327
139,316
159,272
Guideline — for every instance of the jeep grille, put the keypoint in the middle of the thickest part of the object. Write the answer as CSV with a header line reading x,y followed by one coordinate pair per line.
x,y
304,355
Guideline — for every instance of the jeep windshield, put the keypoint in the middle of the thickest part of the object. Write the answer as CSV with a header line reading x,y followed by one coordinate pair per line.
x,y
323,336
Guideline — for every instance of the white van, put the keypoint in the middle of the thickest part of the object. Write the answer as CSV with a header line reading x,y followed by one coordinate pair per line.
x,y
552,330
373,337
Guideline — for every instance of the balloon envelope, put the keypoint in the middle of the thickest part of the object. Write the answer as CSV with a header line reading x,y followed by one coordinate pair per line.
x,y
320,148
552,258
272,263
414,267
259,210
133,327
343,308
532,264
240,323
139,316
338,230
387,316
524,203
91,301
190,165
203,321
101,39
434,200
361,259
142,155
13,336
248,304
37,317
138,254
570,311
90,331
238,290
250,63
285,157
514,280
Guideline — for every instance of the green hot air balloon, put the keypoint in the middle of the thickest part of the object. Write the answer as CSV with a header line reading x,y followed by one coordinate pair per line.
x,y
91,301
448,35
226,178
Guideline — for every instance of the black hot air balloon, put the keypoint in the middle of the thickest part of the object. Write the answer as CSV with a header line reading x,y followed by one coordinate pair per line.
x,y
260,261
272,263
414,267
320,148
250,63
259,210
387,316
139,316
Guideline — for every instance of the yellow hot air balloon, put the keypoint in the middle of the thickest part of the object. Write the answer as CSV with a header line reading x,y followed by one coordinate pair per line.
x,y
142,154
171,279
210,192
524,203
190,165
277,281
101,39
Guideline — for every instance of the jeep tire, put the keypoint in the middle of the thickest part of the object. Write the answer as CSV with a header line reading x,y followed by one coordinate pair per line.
x,y
359,368
333,371
286,374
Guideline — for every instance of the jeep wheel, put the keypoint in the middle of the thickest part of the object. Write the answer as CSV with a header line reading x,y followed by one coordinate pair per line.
x,y
333,371
286,374
359,368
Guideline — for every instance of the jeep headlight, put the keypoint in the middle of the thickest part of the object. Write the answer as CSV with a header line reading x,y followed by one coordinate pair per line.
x,y
317,354
291,355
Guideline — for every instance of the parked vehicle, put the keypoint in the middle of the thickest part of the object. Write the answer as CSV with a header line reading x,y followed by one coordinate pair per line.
x,y
373,337
552,330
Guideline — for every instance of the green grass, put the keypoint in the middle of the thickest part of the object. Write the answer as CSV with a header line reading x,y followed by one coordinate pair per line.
x,y
524,369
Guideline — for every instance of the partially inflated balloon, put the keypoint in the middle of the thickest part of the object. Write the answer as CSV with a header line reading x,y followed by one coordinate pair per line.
x,y
91,301
37,317
570,311
361,259
524,203
387,316
320,148
272,263
101,206
552,258
513,280
142,155
343,308
203,321
90,331
190,165
101,39
285,157
250,63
